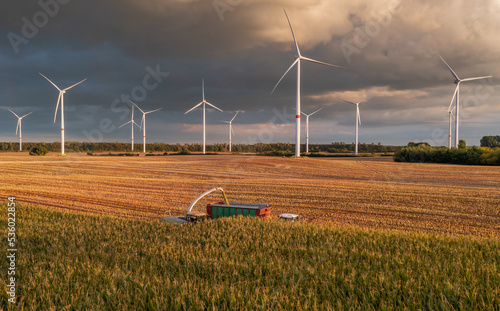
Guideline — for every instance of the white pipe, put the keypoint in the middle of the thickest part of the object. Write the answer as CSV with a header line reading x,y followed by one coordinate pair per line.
x,y
201,196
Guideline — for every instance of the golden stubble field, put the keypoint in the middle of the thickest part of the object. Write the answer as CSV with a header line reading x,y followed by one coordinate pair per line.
x,y
365,192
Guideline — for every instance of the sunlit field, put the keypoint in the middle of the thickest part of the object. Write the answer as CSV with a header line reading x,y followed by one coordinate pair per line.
x,y
375,234
359,192
69,261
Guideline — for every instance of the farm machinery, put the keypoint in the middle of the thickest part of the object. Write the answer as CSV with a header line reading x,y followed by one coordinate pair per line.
x,y
220,209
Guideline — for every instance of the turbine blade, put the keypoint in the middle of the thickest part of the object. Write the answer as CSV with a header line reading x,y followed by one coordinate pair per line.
x,y
453,98
214,106
235,115
136,124
203,88
232,131
51,82
318,62
478,78
362,99
27,114
74,85
349,102
153,110
285,74
136,106
125,124
451,70
18,123
193,108
225,122
316,111
13,113
359,117
57,106
293,35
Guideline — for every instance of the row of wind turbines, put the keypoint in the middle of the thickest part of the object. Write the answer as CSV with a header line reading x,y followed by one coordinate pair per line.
x,y
143,121
298,58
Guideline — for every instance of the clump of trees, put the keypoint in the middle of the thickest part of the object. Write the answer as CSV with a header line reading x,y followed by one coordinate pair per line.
x,y
490,141
39,151
463,155
184,152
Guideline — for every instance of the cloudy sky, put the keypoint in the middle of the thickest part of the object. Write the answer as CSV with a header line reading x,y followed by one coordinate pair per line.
x,y
156,53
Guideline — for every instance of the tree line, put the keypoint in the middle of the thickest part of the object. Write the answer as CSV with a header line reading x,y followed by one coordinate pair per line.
x,y
70,146
423,153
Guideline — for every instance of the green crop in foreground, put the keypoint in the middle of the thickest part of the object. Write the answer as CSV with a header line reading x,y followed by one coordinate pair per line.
x,y
71,261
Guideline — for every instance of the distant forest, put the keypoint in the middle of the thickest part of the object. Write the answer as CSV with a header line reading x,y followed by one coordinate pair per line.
x,y
336,147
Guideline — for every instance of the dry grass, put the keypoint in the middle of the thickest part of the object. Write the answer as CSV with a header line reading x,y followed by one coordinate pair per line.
x,y
366,193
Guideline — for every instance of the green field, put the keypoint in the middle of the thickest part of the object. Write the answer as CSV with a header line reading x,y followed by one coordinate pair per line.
x,y
78,262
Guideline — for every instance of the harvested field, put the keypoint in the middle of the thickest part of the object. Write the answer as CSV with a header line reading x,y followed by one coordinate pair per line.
x,y
367,193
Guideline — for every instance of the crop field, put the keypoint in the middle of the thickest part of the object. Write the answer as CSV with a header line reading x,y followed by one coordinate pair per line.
x,y
69,261
373,193
375,234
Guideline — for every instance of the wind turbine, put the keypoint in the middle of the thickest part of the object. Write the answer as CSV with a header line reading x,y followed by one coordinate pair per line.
x,y
358,119
231,128
18,127
61,99
456,96
298,59
132,122
143,125
203,102
307,127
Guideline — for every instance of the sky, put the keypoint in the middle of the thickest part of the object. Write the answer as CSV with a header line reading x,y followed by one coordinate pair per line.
x,y
156,53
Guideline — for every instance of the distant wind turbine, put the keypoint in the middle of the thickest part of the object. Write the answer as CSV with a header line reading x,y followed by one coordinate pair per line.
x,y
307,127
203,102
358,119
231,128
143,125
18,127
61,99
297,61
456,95
132,122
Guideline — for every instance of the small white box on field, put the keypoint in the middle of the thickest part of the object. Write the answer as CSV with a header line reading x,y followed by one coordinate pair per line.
x,y
289,216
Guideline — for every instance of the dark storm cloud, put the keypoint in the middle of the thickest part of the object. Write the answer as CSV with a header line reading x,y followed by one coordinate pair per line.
x,y
242,48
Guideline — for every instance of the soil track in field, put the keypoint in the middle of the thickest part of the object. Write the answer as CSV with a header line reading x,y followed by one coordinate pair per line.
x,y
368,193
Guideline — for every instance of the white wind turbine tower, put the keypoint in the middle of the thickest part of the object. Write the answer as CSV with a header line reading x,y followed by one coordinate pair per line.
x,y
358,119
231,128
450,117
61,100
297,61
307,127
456,95
203,102
143,125
132,122
18,127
